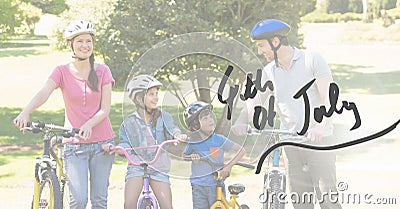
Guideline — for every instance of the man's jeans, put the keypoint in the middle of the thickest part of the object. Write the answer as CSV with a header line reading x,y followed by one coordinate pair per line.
x,y
80,160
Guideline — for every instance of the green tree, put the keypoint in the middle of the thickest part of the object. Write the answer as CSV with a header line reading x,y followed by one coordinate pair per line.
x,y
356,6
388,4
54,7
136,26
9,13
30,15
337,6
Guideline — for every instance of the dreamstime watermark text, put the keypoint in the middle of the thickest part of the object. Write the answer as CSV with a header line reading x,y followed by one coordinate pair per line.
x,y
341,196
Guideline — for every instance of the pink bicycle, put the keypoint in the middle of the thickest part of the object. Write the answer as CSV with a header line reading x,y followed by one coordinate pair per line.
x,y
147,200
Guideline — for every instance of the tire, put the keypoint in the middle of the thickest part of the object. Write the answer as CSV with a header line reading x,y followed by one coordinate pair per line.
x,y
276,186
147,204
65,193
244,206
50,195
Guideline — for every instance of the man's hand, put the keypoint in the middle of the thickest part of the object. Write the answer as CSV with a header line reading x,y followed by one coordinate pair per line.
x,y
240,129
316,133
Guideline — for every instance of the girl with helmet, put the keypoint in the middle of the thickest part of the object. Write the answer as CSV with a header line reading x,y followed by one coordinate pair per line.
x,y
147,126
205,143
292,70
86,88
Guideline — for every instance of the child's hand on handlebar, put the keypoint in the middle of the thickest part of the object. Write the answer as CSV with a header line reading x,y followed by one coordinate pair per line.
x,y
225,172
181,137
195,157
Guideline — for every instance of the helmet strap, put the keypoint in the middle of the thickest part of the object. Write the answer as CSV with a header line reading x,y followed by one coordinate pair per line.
x,y
275,49
143,106
75,57
79,59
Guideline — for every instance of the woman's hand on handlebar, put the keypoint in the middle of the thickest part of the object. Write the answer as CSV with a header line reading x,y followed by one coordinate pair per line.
x,y
21,120
85,131
108,148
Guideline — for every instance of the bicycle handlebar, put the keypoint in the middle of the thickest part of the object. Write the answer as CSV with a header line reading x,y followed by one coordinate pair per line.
x,y
205,159
284,135
128,157
37,127
254,131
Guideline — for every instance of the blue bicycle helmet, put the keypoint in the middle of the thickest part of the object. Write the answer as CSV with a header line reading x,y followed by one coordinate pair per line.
x,y
267,30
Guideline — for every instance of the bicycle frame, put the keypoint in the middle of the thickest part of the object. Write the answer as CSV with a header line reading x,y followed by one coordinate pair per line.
x,y
146,194
275,176
221,201
49,163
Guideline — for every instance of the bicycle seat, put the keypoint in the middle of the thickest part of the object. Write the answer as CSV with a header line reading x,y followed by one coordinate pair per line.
x,y
236,188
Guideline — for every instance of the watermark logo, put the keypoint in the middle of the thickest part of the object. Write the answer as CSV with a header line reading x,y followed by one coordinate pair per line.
x,y
342,196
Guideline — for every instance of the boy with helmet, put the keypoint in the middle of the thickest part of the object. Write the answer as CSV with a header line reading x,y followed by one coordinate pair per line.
x,y
147,126
86,88
291,70
206,149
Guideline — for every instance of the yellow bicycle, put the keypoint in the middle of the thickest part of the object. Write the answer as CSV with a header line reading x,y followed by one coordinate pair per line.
x,y
234,190
50,181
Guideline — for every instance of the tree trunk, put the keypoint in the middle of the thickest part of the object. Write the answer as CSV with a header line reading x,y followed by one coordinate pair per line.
x,y
203,85
365,10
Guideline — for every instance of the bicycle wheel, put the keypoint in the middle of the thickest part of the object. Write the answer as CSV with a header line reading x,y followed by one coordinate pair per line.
x,y
244,206
65,193
147,203
274,186
49,196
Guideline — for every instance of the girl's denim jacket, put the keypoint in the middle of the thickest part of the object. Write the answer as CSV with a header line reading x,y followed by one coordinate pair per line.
x,y
133,129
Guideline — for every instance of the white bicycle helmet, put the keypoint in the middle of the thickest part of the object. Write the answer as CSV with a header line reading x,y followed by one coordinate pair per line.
x,y
79,27
141,83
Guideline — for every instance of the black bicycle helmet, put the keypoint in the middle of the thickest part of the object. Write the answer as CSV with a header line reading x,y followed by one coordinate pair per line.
x,y
267,30
192,111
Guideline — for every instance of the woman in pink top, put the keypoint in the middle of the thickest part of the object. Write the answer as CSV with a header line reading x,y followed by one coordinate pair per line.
x,y
86,89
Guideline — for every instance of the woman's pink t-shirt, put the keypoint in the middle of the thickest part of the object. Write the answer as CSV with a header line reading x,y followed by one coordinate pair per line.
x,y
81,103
